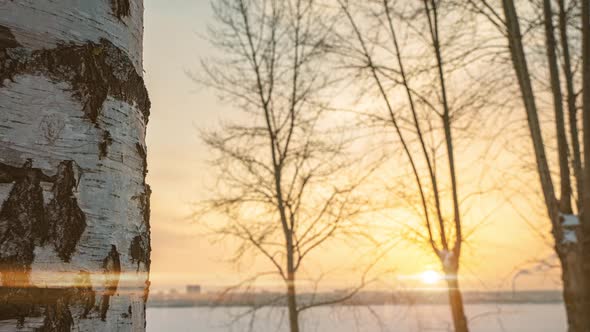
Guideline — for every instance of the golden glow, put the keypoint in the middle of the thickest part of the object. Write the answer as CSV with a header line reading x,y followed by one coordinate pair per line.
x,y
179,176
430,277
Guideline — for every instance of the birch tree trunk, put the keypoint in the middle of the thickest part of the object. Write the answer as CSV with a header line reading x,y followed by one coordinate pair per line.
x,y
74,216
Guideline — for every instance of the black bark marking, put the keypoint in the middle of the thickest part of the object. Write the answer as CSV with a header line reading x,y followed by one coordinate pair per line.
x,y
146,293
139,250
9,174
22,223
120,8
127,314
93,70
140,247
143,155
67,221
84,294
7,41
103,147
112,267
25,222
57,317
146,210
146,236
55,304
19,303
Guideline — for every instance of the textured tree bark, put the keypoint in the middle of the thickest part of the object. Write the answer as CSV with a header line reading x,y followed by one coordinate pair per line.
x,y
74,215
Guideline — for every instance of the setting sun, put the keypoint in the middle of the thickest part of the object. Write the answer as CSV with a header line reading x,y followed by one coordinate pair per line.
x,y
430,277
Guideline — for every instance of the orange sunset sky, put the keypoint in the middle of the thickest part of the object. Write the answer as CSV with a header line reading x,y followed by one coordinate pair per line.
x,y
178,172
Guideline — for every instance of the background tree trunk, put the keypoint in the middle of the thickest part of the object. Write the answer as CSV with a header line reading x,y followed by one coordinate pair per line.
x,y
571,103
568,239
292,304
456,303
74,219
586,129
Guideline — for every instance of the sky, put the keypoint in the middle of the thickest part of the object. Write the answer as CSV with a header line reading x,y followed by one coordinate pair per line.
x,y
183,254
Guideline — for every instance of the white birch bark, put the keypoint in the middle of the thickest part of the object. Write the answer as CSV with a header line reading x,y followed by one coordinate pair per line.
x,y
73,113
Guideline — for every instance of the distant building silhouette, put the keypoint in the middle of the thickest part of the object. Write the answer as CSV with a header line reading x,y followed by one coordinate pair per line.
x,y
193,289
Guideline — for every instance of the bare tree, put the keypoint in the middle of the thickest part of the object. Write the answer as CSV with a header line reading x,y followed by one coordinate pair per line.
x,y
74,216
424,124
567,234
286,186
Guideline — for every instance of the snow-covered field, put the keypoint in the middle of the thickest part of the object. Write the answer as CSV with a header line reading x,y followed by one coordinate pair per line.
x,y
387,318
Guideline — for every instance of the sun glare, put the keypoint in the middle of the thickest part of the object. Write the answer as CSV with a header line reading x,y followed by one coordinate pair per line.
x,y
430,277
